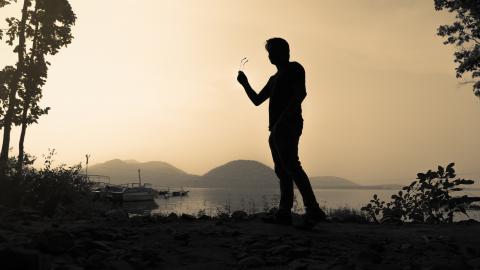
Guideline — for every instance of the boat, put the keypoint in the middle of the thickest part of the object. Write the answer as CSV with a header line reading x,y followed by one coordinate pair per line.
x,y
132,192
102,190
164,192
179,193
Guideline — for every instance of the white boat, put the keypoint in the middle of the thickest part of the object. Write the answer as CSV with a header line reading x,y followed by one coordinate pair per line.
x,y
132,193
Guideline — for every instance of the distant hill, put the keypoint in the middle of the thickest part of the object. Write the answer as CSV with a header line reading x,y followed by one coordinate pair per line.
x,y
155,172
234,174
249,173
239,173
332,182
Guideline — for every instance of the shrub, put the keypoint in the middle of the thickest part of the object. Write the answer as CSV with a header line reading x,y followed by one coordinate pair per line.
x,y
347,214
427,200
47,190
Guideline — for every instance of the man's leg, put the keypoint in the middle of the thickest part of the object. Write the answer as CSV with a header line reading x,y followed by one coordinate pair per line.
x,y
286,182
287,148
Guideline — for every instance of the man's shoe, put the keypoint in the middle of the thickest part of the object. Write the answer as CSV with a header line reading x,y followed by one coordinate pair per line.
x,y
279,217
311,218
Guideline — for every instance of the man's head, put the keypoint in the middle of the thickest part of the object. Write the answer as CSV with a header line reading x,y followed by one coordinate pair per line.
x,y
278,50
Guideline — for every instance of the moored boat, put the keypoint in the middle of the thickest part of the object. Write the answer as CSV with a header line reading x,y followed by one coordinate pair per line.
x,y
131,193
181,192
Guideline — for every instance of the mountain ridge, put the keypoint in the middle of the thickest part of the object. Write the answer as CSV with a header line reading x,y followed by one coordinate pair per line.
x,y
233,174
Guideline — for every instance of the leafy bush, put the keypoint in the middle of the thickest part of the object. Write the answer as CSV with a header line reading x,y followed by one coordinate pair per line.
x,y
48,190
427,200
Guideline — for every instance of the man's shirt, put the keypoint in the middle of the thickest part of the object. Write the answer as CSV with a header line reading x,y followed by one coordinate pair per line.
x,y
283,96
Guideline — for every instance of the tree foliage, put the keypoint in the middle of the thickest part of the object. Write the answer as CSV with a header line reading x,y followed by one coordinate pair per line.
x,y
44,28
464,33
427,200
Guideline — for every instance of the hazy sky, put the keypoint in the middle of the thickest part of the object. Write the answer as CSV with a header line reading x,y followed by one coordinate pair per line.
x,y
156,80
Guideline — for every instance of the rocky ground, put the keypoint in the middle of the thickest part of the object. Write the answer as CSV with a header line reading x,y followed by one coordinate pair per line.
x,y
29,241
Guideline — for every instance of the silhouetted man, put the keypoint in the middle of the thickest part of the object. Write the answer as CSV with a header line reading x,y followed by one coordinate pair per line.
x,y
286,90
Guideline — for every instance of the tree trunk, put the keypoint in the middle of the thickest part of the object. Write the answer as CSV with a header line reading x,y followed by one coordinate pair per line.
x,y
21,151
29,89
13,91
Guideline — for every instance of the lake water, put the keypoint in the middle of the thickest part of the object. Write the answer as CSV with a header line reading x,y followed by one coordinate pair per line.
x,y
211,200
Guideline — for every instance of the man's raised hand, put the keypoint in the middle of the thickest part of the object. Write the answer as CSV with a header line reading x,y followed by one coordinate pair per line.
x,y
242,78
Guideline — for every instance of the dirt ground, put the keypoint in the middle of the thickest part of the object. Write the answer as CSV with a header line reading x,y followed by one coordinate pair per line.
x,y
28,241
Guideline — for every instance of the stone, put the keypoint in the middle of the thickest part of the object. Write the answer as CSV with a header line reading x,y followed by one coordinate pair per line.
x,y
405,247
241,255
277,260
119,265
239,215
281,249
117,214
301,264
187,217
475,263
17,258
98,245
299,252
204,217
366,257
55,242
172,216
96,261
251,261
181,236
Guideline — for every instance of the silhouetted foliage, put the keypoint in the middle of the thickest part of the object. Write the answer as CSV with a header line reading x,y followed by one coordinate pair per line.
x,y
6,80
48,189
15,28
427,200
464,33
45,27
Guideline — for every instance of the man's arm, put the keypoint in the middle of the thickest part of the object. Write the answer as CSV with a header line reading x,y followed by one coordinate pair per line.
x,y
259,98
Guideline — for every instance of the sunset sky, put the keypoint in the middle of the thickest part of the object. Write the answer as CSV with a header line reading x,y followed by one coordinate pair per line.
x,y
156,80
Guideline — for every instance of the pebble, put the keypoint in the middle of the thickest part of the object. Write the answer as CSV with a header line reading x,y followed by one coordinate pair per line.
x,y
251,261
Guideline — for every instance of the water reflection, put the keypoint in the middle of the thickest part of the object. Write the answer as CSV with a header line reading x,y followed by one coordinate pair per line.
x,y
140,207
212,200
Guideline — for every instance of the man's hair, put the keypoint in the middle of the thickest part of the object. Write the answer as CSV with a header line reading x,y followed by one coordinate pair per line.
x,y
278,46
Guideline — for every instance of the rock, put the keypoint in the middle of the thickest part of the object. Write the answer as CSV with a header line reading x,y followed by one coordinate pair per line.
x,y
230,233
96,245
274,238
55,242
241,255
304,242
405,247
299,252
23,259
204,217
276,260
281,249
117,214
187,217
172,216
96,261
376,246
239,215
367,257
449,264
180,236
475,263
2,238
301,264
251,261
119,265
